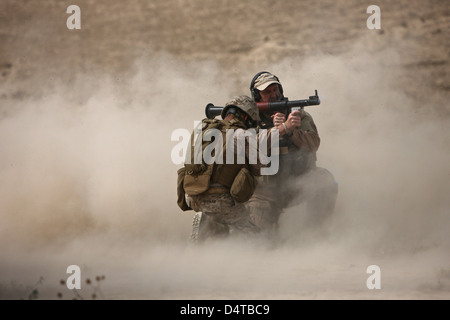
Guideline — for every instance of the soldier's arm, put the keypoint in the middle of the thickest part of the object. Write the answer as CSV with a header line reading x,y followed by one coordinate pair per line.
x,y
306,136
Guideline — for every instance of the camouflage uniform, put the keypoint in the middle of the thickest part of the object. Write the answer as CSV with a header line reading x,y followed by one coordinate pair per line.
x,y
219,215
218,212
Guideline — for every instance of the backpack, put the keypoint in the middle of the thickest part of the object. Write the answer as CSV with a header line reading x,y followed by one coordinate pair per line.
x,y
198,175
192,166
195,178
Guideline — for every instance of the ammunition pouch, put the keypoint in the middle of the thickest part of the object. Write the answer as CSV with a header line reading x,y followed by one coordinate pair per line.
x,y
243,186
195,184
181,201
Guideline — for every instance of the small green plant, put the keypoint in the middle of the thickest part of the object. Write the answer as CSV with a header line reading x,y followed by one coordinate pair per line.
x,y
97,292
34,292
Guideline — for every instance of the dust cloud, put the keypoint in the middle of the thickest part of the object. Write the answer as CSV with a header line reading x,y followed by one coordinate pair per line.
x,y
87,179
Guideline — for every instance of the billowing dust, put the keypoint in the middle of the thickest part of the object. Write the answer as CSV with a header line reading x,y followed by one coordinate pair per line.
x,y
87,179
93,184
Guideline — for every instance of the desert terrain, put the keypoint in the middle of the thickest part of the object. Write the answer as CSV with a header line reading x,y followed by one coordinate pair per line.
x,y
86,166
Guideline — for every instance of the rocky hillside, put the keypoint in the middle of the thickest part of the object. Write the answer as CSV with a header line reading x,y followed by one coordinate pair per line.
x,y
243,37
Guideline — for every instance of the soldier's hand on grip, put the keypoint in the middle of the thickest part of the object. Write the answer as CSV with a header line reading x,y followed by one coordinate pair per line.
x,y
293,120
278,118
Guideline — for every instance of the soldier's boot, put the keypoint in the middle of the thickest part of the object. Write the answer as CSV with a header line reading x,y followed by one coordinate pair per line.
x,y
204,226
266,220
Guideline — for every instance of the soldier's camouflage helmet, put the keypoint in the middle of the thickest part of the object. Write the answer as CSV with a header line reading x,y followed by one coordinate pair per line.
x,y
245,103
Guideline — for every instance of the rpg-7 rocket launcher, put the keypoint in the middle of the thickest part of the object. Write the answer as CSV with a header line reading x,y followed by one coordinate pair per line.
x,y
284,106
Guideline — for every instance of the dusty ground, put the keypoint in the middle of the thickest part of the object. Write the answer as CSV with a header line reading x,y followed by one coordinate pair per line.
x,y
86,118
